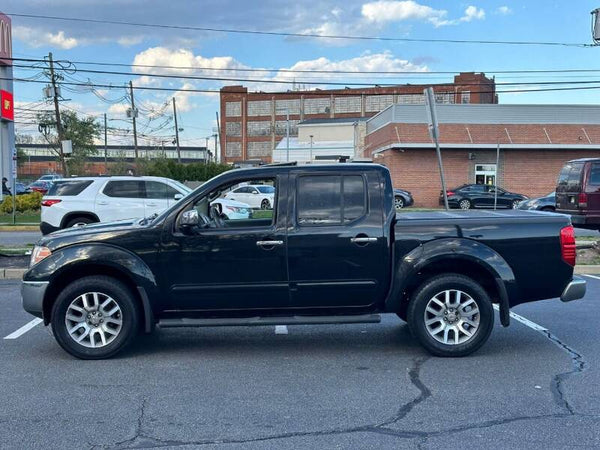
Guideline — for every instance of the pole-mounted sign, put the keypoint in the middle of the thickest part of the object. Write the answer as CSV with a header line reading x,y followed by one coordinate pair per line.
x,y
5,40
7,109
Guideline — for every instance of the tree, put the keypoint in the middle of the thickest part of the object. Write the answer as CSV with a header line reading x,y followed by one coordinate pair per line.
x,y
82,132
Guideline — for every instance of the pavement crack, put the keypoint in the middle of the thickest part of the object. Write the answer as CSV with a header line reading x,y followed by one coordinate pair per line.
x,y
414,374
578,364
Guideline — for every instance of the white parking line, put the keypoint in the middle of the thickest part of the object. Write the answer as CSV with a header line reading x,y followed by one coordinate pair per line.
x,y
525,321
591,276
24,329
281,329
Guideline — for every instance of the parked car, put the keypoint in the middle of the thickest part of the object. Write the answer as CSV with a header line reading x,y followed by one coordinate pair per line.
x,y
49,177
40,186
331,251
232,210
545,203
402,199
21,188
578,192
257,196
481,196
79,201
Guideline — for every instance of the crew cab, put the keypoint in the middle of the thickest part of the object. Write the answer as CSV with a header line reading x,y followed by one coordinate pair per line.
x,y
331,250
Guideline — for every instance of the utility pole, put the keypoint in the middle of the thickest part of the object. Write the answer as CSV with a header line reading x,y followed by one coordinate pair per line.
x,y
311,149
176,132
287,134
105,145
59,129
215,155
133,116
435,134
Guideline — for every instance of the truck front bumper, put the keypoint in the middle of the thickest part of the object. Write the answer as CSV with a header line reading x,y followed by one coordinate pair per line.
x,y
574,290
32,293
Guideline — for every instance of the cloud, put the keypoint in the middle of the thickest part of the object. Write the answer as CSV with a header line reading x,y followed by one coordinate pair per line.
x,y
36,38
387,11
504,10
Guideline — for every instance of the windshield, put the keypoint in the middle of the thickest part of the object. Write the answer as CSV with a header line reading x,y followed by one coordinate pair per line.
x,y
266,189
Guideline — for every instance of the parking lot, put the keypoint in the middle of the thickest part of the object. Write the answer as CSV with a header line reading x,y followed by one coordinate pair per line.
x,y
533,385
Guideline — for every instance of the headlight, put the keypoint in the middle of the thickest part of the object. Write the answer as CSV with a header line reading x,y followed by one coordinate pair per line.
x,y
39,253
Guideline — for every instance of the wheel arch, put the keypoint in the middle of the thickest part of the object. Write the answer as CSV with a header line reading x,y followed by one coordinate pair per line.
x,y
459,256
71,215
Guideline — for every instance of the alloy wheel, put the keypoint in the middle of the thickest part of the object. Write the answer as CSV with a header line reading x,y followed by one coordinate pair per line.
x,y
398,202
94,319
465,204
452,317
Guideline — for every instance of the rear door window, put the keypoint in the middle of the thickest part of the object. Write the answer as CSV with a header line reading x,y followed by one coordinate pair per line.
x,y
69,188
595,174
158,190
330,199
125,189
574,179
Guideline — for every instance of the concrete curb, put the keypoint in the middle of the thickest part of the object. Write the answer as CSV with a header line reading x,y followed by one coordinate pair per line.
x,y
11,274
19,228
589,269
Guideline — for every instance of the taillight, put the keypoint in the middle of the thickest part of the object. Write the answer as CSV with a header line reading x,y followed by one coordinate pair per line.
x,y
567,245
50,202
582,200
449,193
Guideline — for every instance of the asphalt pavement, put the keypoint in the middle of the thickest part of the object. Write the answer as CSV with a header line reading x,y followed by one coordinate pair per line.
x,y
16,238
332,386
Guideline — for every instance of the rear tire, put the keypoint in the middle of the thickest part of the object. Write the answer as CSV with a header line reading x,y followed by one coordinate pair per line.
x,y
450,325
548,209
77,221
98,311
265,204
398,202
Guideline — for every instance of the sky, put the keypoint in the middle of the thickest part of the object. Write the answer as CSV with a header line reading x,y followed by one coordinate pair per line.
x,y
205,51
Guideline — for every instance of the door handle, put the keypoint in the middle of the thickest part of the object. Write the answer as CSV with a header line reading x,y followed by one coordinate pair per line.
x,y
268,243
102,203
151,204
363,240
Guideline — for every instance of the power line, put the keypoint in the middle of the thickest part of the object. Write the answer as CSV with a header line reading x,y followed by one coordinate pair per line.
x,y
310,71
298,35
287,93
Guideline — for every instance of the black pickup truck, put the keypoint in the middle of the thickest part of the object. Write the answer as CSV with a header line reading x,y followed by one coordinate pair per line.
x,y
331,250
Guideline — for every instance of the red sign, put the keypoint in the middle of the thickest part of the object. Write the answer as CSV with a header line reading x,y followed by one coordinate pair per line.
x,y
7,108
5,40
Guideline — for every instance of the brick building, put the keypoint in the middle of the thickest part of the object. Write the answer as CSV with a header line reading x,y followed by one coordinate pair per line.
x,y
534,140
253,123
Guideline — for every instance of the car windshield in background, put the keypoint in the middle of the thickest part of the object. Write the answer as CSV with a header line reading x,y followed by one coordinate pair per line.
x,y
68,188
266,189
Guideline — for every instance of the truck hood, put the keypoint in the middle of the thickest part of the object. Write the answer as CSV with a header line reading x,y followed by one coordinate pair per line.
x,y
92,232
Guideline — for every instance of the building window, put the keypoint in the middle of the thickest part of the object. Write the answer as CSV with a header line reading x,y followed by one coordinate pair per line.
x,y
347,105
233,129
233,149
485,174
282,106
280,127
411,99
376,103
258,149
444,97
259,128
317,106
259,108
233,109
465,97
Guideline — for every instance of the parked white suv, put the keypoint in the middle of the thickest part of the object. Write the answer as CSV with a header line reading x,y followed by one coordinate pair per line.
x,y
82,200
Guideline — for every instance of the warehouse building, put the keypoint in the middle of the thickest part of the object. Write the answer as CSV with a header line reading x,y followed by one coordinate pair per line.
x,y
534,141
253,123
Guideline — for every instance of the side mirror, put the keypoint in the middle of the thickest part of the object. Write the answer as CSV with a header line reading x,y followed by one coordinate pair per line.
x,y
255,193
178,197
190,218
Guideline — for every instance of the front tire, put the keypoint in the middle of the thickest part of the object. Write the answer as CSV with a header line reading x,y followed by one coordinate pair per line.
x,y
398,202
95,317
450,315
265,204
515,204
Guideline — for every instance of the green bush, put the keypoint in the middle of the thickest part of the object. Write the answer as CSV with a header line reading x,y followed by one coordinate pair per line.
x,y
182,172
25,202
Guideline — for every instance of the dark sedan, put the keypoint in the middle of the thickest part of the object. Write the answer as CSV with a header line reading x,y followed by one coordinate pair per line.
x,y
481,196
546,203
402,198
